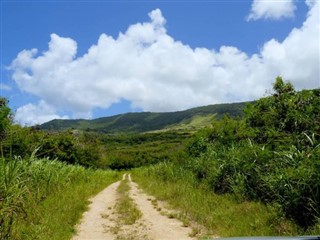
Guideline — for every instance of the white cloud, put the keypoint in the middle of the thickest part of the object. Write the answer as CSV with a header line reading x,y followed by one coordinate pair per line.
x,y
311,3
297,57
272,9
31,114
5,87
147,67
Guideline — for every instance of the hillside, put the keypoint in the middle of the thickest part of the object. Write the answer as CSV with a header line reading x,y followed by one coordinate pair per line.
x,y
147,121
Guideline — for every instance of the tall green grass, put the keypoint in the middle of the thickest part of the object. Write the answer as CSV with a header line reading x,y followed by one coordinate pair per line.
x,y
44,199
222,215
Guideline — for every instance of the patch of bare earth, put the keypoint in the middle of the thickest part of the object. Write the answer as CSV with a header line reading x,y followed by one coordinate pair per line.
x,y
95,221
102,222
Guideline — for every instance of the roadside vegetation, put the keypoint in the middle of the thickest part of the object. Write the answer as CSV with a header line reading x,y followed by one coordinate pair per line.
x,y
270,157
44,199
40,197
220,215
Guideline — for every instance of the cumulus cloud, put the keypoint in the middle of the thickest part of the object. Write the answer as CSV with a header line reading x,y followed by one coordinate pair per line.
x,y
297,57
271,9
32,114
155,72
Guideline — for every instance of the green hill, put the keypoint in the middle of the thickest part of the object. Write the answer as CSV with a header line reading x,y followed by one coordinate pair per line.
x,y
194,118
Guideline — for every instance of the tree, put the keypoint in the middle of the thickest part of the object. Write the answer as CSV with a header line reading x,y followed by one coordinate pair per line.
x,y
4,119
281,87
287,113
4,116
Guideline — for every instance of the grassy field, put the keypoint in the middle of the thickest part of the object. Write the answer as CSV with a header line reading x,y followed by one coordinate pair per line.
x,y
44,199
191,125
221,215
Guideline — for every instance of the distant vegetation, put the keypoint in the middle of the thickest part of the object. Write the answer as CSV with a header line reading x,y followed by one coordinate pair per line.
x,y
131,151
260,161
89,149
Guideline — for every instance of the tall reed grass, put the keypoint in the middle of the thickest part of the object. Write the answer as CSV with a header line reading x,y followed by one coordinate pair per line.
x,y
44,199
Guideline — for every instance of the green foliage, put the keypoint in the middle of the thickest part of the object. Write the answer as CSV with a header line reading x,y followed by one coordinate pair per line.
x,y
135,150
37,195
271,155
71,147
196,148
4,116
296,184
67,147
228,131
287,115
221,215
4,120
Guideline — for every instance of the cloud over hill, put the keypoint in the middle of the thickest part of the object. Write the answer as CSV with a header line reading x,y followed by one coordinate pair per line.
x,y
156,72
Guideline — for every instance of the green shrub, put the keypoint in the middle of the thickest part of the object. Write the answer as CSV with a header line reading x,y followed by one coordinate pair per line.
x,y
272,155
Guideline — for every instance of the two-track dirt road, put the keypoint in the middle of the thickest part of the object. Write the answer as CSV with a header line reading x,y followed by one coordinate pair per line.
x,y
100,221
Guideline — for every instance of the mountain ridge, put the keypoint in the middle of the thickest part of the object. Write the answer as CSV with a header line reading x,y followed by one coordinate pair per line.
x,y
137,122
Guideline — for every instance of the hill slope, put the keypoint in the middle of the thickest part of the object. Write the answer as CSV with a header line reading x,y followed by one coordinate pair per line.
x,y
147,121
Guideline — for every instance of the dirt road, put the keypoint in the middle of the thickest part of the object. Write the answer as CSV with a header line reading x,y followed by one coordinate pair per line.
x,y
101,220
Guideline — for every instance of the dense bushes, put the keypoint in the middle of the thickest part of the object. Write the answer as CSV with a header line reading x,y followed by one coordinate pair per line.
x,y
285,117
272,155
71,146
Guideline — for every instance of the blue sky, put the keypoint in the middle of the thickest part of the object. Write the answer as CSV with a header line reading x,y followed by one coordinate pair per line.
x,y
100,58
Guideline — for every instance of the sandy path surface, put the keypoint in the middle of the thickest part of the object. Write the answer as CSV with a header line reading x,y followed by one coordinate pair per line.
x,y
159,226
100,220
94,221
